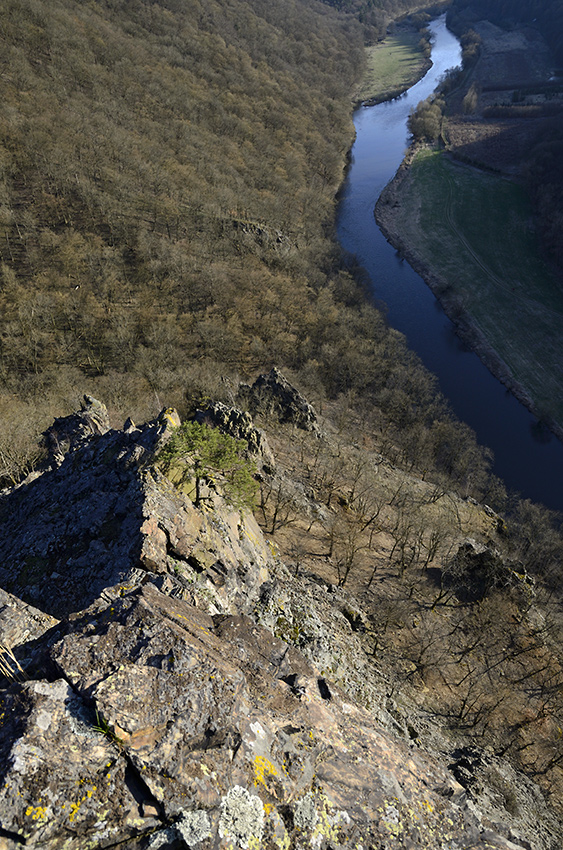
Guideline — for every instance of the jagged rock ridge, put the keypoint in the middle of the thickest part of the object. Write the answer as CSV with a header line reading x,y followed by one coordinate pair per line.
x,y
102,513
160,712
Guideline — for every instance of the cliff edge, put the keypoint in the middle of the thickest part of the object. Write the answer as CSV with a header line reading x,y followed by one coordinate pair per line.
x,y
157,692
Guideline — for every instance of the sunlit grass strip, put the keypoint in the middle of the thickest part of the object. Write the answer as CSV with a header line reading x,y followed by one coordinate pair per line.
x,y
10,666
392,66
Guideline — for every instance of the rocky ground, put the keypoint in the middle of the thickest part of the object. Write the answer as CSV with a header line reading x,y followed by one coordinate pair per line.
x,y
168,682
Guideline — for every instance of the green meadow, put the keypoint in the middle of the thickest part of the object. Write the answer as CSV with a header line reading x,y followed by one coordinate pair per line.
x,y
392,66
474,230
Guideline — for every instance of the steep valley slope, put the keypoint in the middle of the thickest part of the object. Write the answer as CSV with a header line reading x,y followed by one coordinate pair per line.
x,y
178,676
301,618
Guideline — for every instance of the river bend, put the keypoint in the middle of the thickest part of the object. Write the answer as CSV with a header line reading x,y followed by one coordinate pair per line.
x,y
527,458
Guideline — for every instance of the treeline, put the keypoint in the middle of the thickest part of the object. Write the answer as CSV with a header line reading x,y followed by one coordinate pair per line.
x,y
376,15
546,16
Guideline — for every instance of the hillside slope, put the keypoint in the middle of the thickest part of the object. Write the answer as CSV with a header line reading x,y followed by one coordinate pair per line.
x,y
169,172
207,695
169,178
158,162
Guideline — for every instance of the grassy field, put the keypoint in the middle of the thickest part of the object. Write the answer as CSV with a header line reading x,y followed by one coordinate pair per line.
x,y
473,230
392,66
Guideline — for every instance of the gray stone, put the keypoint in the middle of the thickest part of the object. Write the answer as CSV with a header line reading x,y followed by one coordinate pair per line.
x,y
68,433
198,695
20,622
475,569
273,395
161,708
104,512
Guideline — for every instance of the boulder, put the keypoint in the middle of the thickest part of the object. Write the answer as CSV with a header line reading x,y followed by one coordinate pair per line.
x,y
273,395
64,782
20,622
475,569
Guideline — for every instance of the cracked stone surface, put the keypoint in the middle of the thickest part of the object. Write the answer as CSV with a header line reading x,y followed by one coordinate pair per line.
x,y
178,688
102,514
158,710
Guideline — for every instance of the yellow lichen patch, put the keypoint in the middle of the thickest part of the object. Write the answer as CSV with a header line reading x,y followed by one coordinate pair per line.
x,y
74,807
283,843
273,548
327,823
307,744
36,812
263,768
251,535
426,805
391,820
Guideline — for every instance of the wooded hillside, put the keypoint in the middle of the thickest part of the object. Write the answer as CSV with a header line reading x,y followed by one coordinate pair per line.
x,y
169,179
375,15
160,162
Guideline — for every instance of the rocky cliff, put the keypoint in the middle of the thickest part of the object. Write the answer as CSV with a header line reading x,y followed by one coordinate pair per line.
x,y
167,683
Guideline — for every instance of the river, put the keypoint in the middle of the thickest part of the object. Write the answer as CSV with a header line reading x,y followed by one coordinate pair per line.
x,y
527,458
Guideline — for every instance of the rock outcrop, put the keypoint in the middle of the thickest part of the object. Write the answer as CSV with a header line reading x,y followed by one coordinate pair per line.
x,y
163,726
103,514
67,433
239,424
193,693
273,395
475,569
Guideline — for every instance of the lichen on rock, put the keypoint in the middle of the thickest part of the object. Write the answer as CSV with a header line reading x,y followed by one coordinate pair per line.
x,y
305,815
242,818
191,829
208,697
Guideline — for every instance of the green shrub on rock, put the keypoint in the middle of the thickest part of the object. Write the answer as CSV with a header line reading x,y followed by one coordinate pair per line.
x,y
198,453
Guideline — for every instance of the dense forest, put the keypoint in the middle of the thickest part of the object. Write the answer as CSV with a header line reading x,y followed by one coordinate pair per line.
x,y
375,15
169,179
167,172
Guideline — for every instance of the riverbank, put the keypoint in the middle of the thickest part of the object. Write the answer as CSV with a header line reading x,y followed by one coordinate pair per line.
x,y
392,67
388,215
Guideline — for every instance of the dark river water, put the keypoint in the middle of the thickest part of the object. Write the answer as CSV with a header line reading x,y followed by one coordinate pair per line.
x,y
526,458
